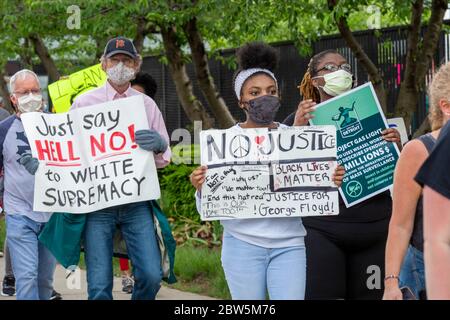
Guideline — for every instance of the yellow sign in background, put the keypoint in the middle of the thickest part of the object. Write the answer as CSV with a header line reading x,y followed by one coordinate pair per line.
x,y
64,91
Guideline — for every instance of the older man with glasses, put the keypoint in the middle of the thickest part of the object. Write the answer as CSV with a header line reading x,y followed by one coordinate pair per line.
x,y
33,264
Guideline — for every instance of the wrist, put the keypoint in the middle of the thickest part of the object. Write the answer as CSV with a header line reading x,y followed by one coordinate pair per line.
x,y
391,278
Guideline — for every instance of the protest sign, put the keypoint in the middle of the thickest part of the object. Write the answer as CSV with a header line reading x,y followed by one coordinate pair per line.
x,y
64,91
368,159
262,173
88,158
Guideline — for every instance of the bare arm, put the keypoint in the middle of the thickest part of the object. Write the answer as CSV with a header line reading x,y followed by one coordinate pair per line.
x,y
437,244
405,196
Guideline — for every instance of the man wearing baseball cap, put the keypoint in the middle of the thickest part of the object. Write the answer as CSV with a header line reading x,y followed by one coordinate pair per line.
x,y
121,62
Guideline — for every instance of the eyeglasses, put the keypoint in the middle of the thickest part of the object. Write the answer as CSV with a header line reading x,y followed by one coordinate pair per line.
x,y
23,93
332,67
126,61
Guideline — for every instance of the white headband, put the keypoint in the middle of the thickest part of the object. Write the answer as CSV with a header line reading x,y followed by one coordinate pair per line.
x,y
247,73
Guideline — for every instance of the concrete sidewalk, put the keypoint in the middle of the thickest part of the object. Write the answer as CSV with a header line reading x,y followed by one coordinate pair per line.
x,y
63,286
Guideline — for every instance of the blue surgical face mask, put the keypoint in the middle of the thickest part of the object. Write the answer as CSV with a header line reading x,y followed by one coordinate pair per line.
x,y
262,110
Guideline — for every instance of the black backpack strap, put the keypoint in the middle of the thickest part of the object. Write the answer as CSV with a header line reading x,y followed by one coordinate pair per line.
x,y
429,141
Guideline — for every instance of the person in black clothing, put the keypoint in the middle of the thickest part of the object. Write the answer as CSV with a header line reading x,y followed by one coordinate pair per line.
x,y
435,176
345,253
144,83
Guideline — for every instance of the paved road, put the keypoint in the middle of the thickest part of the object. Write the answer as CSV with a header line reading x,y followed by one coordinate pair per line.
x,y
80,294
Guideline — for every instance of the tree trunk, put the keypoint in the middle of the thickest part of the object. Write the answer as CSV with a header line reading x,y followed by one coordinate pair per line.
x,y
431,39
4,93
43,54
26,55
416,69
141,33
409,92
406,104
424,128
205,80
372,70
191,105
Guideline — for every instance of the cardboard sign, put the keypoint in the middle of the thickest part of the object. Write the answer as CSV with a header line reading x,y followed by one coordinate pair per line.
x,y
88,159
368,159
64,91
262,173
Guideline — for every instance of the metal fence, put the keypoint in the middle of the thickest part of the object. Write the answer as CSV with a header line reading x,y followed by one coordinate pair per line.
x,y
386,47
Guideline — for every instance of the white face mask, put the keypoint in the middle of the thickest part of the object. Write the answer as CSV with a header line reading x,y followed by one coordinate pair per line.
x,y
120,74
337,82
29,103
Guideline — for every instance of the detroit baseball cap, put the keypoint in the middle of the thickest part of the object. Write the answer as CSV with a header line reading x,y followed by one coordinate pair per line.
x,y
120,45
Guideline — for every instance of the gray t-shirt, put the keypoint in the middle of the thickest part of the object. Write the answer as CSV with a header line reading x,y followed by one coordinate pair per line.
x,y
18,194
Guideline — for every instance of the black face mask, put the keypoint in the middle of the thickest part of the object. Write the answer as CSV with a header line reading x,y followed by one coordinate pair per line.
x,y
262,110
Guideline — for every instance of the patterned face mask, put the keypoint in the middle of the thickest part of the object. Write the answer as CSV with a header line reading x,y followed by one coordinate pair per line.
x,y
120,74
262,110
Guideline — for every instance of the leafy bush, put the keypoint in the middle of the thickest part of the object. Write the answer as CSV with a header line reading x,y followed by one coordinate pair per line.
x,y
178,202
177,193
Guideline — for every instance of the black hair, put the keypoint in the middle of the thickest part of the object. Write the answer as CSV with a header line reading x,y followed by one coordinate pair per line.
x,y
307,90
256,55
147,82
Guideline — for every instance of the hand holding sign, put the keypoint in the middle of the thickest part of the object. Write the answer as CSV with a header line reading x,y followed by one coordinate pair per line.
x,y
198,177
151,140
30,163
303,114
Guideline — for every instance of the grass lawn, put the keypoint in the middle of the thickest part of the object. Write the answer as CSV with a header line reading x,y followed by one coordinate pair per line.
x,y
199,270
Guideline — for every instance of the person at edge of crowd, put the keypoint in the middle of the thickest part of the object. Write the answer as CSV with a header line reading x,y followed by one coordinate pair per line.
x,y
264,255
434,177
405,239
9,282
144,83
354,241
33,265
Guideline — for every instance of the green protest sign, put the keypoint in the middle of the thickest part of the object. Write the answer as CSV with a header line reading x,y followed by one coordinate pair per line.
x,y
369,160
64,91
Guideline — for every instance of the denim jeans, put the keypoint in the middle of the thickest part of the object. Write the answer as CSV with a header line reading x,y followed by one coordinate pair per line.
x,y
33,264
412,273
252,271
136,224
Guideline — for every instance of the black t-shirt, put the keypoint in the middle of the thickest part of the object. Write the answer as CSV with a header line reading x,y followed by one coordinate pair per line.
x,y
374,209
435,172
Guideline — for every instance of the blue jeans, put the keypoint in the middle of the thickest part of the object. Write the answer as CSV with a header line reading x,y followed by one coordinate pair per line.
x,y
412,273
33,264
136,224
251,271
